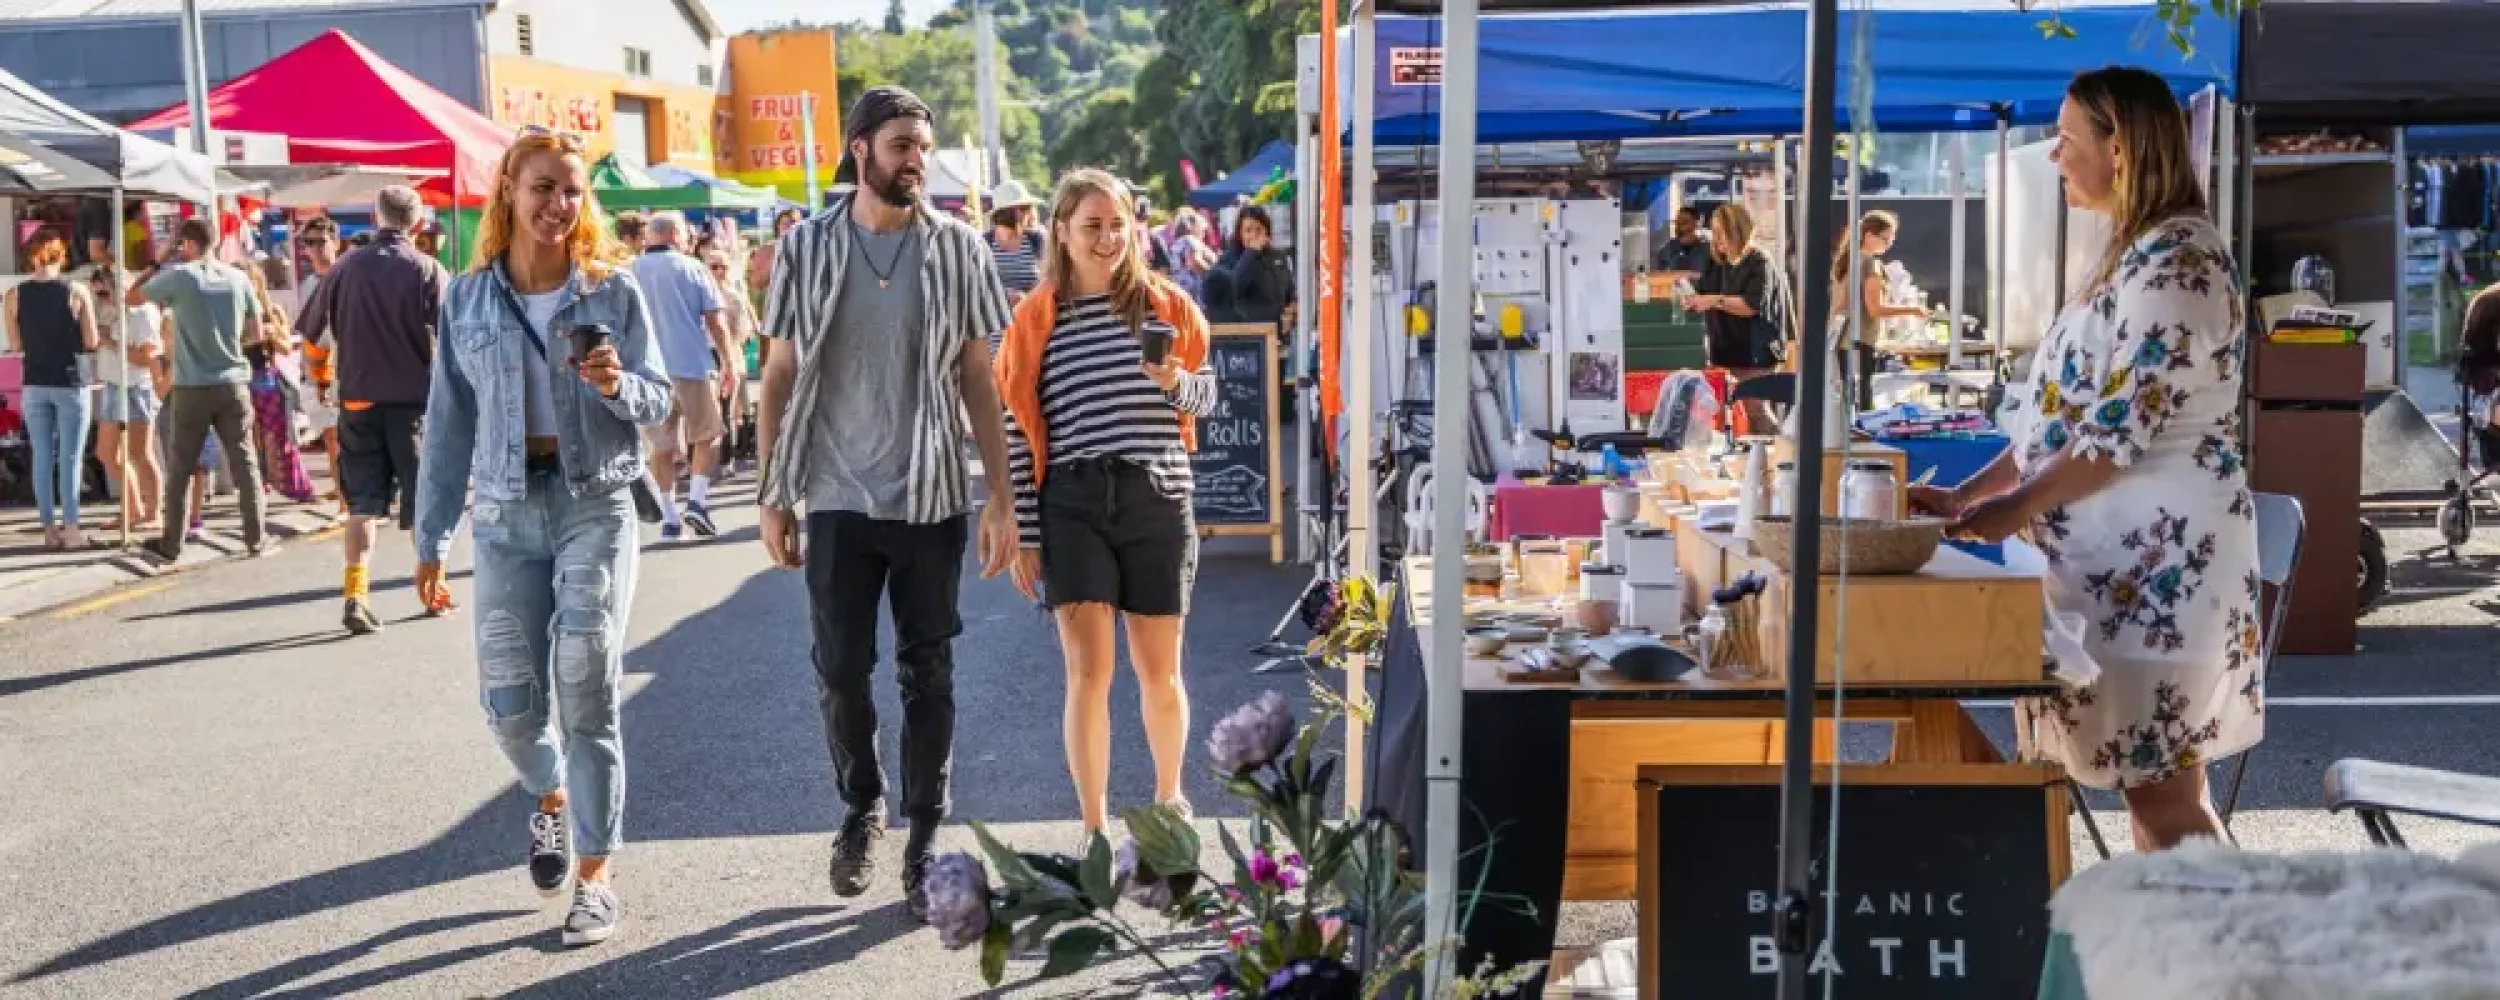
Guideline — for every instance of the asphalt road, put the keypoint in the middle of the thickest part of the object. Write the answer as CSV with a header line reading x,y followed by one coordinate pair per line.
x,y
212,792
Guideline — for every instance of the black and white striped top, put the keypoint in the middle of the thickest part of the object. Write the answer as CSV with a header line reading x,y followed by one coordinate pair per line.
x,y
1021,268
966,305
1098,402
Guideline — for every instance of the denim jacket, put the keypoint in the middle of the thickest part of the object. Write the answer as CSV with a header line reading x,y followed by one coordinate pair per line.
x,y
474,424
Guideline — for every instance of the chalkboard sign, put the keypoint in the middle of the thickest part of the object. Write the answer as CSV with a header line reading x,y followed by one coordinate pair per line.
x,y
1945,878
1237,461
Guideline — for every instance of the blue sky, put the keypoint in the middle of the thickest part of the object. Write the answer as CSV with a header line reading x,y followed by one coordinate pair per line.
x,y
740,15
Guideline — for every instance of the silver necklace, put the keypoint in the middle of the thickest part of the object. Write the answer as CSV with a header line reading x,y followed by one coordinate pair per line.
x,y
885,275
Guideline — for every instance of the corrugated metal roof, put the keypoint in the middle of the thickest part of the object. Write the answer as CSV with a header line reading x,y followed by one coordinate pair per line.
x,y
78,10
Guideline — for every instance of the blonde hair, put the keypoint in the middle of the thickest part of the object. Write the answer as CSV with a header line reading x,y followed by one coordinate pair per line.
x,y
1876,223
1130,278
1731,232
588,245
2156,178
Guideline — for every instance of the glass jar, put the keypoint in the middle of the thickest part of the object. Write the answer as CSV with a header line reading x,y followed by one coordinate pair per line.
x,y
1870,492
1784,490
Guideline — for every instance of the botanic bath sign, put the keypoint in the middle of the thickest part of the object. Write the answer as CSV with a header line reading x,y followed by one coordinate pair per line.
x,y
1942,893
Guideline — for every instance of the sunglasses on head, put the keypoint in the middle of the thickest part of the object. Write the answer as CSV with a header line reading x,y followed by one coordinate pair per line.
x,y
571,142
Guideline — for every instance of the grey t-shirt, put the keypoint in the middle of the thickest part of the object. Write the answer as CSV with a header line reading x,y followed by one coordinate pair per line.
x,y
211,306
862,434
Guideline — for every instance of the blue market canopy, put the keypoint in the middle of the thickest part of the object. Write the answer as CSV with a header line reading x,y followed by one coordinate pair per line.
x,y
1739,69
1246,180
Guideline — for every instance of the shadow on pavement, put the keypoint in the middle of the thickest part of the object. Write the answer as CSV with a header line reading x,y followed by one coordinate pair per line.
x,y
264,982
726,741
14,686
268,601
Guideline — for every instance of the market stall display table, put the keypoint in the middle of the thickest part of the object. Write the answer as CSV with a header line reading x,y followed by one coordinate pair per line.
x,y
1551,771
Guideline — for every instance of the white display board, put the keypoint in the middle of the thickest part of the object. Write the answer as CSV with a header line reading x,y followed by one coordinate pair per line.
x,y
2030,206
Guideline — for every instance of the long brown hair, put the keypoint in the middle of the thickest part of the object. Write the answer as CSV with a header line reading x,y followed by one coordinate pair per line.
x,y
588,245
1130,278
1875,223
1731,233
47,247
2156,176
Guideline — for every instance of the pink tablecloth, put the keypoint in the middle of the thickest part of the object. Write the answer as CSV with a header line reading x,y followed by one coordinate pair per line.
x,y
1559,511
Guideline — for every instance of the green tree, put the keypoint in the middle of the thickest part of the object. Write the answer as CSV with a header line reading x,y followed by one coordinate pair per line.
x,y
939,66
894,24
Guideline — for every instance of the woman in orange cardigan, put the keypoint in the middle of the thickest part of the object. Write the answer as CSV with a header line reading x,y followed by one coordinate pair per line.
x,y
1103,372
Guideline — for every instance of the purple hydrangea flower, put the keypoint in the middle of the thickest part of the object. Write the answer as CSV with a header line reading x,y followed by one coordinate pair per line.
x,y
1253,735
958,891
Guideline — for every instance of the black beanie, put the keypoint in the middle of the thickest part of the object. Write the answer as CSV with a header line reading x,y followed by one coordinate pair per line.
x,y
881,105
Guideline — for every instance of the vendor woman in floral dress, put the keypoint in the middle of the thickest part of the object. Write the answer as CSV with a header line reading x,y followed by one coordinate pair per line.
x,y
2128,471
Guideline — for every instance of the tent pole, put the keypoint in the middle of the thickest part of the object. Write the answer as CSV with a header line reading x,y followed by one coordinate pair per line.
x,y
1793,915
1362,556
1957,161
2004,204
121,342
1310,496
1454,307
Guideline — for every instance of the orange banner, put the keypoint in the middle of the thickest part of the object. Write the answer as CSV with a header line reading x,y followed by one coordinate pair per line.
x,y
1331,228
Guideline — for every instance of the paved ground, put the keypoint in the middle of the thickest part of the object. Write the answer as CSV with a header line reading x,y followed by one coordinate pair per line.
x,y
213,793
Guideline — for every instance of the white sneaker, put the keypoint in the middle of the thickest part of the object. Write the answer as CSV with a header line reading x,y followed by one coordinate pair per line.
x,y
594,915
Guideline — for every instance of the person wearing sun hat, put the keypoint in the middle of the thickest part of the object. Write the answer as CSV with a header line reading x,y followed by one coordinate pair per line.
x,y
1015,238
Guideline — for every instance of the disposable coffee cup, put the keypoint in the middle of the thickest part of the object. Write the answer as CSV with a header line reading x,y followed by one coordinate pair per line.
x,y
1154,342
587,338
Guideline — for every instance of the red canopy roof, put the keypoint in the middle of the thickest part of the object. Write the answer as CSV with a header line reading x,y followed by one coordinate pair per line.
x,y
338,102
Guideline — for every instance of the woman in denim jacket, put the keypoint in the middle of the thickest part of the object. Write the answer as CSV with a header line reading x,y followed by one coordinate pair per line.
x,y
544,447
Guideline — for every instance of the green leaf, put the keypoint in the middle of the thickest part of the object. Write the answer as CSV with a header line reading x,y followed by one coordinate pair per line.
x,y
1057,869
1074,949
1158,832
1010,866
994,953
1031,936
1097,874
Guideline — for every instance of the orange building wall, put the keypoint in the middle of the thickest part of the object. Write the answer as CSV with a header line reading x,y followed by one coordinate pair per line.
x,y
525,91
759,126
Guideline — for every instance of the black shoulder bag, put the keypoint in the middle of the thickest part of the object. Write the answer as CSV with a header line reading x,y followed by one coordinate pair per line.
x,y
646,492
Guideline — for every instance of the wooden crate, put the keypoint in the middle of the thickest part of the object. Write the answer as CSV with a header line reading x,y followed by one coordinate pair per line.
x,y
1836,462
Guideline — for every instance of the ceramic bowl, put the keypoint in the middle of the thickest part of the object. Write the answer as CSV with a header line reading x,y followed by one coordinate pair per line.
x,y
1525,633
1487,641
1569,655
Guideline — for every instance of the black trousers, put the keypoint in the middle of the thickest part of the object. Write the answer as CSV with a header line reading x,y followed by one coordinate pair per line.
x,y
852,562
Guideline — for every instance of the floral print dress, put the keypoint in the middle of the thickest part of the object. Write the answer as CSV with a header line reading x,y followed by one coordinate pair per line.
x,y
2145,371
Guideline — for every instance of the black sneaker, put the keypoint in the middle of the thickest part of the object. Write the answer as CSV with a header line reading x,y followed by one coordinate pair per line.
x,y
915,884
551,852
699,520
360,619
854,862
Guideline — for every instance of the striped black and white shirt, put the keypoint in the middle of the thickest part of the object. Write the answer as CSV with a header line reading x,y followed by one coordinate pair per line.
x,y
1021,268
1098,402
964,304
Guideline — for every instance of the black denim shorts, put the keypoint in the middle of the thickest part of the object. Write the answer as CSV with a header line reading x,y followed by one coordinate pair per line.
x,y
1110,536
378,449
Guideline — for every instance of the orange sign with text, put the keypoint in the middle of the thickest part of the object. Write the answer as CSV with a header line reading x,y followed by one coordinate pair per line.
x,y
679,123
764,121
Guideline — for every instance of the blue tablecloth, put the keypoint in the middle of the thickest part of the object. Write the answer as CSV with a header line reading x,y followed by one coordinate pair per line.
x,y
1954,458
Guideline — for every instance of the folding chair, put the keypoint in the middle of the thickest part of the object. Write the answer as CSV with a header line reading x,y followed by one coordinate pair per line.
x,y
2280,527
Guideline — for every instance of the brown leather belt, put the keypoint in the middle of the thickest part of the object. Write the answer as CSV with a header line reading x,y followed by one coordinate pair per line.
x,y
541,447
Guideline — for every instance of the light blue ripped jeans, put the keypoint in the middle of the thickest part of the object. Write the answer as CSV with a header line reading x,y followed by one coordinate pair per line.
x,y
555,578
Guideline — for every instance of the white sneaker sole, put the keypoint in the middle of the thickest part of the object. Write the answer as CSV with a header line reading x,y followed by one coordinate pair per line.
x,y
576,939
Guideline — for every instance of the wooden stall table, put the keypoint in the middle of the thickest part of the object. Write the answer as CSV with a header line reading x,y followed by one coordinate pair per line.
x,y
1552,772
